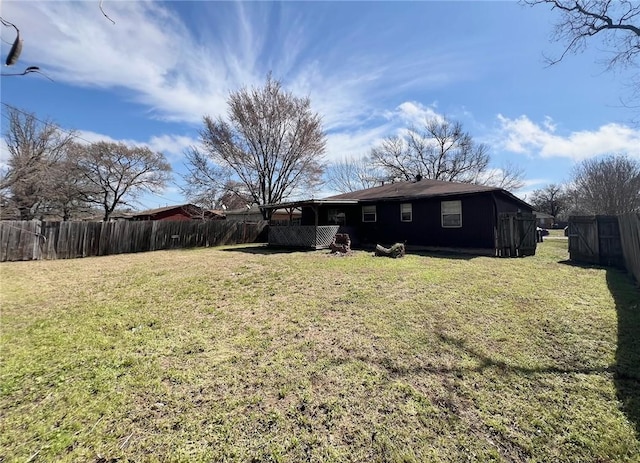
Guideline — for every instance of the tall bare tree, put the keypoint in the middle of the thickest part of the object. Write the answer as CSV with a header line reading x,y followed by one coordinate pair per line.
x,y
35,149
441,150
352,174
273,143
552,200
508,176
66,198
234,196
204,181
115,174
609,185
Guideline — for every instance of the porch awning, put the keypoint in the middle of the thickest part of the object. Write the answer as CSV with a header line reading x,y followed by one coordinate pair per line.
x,y
309,203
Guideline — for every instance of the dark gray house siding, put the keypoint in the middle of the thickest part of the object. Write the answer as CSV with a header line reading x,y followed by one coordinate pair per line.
x,y
479,213
470,219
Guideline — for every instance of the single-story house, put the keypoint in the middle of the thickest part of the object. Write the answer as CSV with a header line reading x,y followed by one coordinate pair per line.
x,y
423,214
178,212
544,220
254,214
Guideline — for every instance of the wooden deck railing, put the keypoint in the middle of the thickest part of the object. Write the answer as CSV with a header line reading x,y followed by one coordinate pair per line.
x,y
305,236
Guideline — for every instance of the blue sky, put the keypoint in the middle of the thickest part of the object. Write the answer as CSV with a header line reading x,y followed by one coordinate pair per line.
x,y
370,69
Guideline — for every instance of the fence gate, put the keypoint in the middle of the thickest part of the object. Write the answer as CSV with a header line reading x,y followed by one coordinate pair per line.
x,y
595,240
516,235
609,241
583,240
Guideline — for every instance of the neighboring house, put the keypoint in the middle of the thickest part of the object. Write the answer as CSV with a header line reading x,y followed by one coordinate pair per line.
x,y
544,220
246,214
254,214
179,212
425,213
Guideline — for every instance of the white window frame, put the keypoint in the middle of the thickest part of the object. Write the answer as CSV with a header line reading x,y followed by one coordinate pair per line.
x,y
451,209
369,210
406,208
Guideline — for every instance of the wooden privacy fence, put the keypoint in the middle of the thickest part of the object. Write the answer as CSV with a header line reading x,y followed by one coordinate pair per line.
x,y
34,240
516,235
595,240
630,240
606,240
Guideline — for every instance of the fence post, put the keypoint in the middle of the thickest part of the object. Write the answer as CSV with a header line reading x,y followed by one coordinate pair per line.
x,y
37,254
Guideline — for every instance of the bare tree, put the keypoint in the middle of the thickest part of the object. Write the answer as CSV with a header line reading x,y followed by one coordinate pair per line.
x,y
68,190
234,196
210,186
441,150
273,143
115,173
204,181
617,22
609,185
35,149
508,176
352,174
552,200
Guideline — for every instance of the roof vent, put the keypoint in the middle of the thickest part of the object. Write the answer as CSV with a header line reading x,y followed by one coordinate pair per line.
x,y
418,177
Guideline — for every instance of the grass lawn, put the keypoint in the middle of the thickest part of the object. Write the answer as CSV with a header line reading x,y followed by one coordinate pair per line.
x,y
242,354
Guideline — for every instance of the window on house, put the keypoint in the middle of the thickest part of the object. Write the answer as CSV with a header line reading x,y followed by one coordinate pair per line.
x,y
336,217
406,212
451,214
369,213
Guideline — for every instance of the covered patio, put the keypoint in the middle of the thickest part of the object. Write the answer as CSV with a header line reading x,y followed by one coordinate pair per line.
x,y
308,232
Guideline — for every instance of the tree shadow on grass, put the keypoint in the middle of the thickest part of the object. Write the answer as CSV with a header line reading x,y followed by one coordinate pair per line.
x,y
627,374
483,362
452,255
457,402
264,249
573,263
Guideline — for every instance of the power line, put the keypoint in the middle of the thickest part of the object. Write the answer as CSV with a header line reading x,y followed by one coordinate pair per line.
x,y
71,134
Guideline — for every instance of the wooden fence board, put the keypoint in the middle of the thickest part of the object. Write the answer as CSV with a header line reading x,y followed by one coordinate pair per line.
x,y
583,239
516,235
595,240
609,241
630,242
606,240
21,240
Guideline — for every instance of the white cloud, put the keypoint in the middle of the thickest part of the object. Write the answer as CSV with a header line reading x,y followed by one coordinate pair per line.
x,y
357,141
4,154
521,135
352,144
87,136
415,113
172,146
181,73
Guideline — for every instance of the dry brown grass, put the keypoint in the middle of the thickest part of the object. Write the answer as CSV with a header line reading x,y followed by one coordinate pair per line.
x,y
236,354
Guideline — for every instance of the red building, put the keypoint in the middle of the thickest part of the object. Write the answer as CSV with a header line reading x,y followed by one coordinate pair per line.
x,y
179,212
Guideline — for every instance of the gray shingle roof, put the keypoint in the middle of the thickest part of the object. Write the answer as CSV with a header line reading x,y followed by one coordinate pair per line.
x,y
423,188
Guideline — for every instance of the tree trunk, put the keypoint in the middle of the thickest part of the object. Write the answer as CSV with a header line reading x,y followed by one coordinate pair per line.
x,y
395,251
